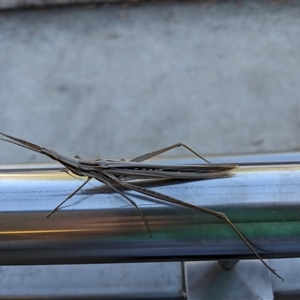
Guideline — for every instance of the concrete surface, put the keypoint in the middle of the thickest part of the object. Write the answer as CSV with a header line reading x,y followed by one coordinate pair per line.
x,y
118,81
14,4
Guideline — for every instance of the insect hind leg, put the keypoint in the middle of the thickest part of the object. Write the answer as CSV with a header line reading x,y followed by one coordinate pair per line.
x,y
166,149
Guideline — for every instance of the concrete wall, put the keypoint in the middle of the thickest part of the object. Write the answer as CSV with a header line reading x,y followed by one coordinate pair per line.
x,y
118,81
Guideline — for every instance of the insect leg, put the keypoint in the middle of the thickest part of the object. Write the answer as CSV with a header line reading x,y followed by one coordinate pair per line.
x,y
70,196
131,201
106,182
108,179
163,150
217,214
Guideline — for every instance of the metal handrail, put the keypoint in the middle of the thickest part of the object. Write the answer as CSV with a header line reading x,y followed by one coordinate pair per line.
x,y
97,225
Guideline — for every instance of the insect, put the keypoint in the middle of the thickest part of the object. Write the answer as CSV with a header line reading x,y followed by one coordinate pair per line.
x,y
120,173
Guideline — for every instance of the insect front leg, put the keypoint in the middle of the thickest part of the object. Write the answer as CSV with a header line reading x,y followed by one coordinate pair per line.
x,y
70,196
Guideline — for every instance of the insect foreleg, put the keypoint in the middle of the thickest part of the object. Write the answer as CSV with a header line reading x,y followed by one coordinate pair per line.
x,y
70,196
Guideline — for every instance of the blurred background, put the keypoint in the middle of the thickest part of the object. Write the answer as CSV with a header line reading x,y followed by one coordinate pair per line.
x,y
119,80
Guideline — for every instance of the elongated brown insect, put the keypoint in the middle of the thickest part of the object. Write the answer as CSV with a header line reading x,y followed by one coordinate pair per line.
x,y
115,173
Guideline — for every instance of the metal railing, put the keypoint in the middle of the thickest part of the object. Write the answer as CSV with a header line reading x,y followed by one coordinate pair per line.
x,y
97,225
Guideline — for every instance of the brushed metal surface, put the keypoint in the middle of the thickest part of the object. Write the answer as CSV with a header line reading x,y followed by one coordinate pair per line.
x,y
97,225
